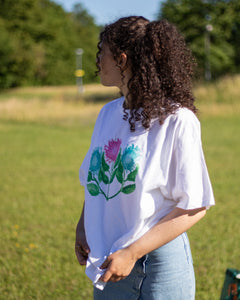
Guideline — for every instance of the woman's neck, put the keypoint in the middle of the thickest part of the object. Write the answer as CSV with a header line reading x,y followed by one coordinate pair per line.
x,y
124,88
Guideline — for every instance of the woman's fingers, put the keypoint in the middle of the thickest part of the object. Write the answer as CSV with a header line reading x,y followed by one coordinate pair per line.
x,y
107,276
105,263
81,259
117,266
82,253
82,249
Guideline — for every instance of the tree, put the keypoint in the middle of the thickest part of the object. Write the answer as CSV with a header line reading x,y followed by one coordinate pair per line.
x,y
87,33
38,42
192,18
7,74
235,36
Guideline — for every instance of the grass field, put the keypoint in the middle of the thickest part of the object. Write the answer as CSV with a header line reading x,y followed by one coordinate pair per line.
x,y
44,135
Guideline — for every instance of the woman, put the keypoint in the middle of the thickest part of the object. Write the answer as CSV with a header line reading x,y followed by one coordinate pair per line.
x,y
145,177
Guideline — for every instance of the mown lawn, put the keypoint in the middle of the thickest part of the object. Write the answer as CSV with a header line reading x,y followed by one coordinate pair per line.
x,y
215,240
41,199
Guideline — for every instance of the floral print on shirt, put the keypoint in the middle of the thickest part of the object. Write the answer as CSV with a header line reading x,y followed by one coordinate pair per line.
x,y
111,163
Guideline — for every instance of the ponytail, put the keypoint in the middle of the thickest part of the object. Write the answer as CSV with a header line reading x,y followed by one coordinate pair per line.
x,y
161,66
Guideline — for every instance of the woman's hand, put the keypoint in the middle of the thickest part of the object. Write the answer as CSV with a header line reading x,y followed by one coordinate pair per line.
x,y
81,245
81,248
118,265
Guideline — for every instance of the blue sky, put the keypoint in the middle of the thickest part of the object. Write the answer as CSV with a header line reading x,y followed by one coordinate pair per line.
x,y
106,11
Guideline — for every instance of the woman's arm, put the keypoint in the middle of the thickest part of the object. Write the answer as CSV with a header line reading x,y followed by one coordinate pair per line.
x,y
119,264
81,246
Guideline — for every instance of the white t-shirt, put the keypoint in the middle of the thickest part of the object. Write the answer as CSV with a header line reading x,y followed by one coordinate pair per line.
x,y
133,179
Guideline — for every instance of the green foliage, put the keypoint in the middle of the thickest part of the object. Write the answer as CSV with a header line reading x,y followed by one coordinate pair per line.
x,y
192,17
39,41
7,75
87,35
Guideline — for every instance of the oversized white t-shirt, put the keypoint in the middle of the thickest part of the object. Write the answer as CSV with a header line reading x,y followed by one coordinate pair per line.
x,y
133,179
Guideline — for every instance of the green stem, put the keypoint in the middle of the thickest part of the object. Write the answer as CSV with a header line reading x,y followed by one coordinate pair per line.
x,y
118,191
110,175
115,194
94,179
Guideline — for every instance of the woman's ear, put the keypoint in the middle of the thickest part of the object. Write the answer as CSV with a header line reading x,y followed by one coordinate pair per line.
x,y
123,61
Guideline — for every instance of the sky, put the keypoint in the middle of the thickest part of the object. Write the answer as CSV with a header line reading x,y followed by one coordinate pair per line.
x,y
107,11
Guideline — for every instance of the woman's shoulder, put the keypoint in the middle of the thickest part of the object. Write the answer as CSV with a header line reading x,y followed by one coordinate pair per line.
x,y
184,115
187,124
182,121
110,110
113,105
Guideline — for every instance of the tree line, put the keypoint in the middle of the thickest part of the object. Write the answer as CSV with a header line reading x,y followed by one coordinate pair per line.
x,y
38,39
212,31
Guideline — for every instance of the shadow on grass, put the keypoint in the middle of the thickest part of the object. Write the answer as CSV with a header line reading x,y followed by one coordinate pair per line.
x,y
92,98
96,98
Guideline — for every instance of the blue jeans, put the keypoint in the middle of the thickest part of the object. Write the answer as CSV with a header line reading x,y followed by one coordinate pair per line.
x,y
164,274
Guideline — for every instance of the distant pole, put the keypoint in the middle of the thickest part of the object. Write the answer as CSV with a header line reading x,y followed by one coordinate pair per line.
x,y
208,74
79,71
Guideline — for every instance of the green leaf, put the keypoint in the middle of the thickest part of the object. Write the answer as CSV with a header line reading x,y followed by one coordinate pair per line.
x,y
113,175
118,159
119,173
89,176
105,178
105,166
133,174
129,189
100,175
93,189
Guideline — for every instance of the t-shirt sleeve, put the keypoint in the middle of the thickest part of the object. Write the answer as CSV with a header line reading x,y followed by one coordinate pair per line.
x,y
83,171
189,182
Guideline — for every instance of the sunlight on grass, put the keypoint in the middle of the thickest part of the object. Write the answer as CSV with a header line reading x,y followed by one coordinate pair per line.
x,y
48,111
225,90
219,98
65,105
45,134
27,104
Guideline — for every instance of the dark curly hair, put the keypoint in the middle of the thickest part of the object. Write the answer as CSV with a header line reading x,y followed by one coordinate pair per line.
x,y
162,67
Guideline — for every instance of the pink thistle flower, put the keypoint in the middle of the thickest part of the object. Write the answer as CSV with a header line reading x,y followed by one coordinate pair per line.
x,y
112,149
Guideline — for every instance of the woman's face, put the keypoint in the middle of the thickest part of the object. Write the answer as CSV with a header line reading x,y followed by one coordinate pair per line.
x,y
110,73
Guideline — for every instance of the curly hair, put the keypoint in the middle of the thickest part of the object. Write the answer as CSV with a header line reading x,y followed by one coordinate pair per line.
x,y
162,68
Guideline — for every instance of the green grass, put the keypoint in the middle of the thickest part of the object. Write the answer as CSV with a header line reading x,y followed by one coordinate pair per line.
x,y
40,204
215,240
41,199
